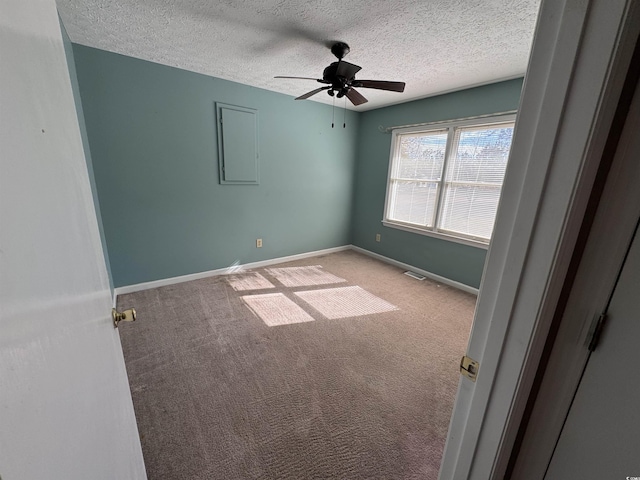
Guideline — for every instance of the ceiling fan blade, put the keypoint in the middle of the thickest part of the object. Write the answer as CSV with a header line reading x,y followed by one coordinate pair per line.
x,y
347,70
380,85
301,78
311,93
355,97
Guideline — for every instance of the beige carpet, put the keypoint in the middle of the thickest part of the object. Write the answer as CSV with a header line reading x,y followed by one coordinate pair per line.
x,y
341,368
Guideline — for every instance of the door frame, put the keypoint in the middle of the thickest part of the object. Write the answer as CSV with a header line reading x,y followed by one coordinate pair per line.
x,y
613,229
579,60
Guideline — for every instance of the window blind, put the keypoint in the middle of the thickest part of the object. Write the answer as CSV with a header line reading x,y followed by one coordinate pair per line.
x,y
416,175
447,181
473,180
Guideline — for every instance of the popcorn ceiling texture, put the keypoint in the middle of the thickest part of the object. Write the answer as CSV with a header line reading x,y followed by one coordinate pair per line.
x,y
434,46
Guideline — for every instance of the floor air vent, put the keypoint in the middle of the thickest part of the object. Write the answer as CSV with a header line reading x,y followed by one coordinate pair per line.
x,y
415,275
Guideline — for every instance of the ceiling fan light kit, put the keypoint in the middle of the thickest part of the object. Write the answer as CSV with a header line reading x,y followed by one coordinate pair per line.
x,y
340,79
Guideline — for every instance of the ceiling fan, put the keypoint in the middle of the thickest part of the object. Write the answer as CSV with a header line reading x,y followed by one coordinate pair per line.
x,y
340,80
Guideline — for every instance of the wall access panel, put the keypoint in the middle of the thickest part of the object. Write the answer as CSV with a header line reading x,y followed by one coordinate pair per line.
x,y
237,144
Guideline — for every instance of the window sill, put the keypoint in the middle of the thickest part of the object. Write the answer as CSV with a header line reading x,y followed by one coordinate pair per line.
x,y
441,236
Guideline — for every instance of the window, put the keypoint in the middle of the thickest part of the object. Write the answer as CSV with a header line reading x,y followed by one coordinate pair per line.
x,y
446,180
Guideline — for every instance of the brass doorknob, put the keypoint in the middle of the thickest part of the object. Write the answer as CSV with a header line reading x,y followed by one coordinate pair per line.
x,y
126,316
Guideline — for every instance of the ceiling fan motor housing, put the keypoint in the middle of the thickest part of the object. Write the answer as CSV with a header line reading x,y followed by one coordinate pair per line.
x,y
337,82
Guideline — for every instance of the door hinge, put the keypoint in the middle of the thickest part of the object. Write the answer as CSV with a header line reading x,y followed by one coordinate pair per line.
x,y
597,332
469,368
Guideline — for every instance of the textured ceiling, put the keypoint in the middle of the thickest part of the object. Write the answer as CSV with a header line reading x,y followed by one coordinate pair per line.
x,y
434,46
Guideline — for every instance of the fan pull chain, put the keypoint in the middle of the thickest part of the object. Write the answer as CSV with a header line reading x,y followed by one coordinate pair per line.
x,y
344,110
333,111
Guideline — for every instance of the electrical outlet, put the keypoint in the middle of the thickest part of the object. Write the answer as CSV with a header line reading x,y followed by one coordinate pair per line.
x,y
259,243
377,237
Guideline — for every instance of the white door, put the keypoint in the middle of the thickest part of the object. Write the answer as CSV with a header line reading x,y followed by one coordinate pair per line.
x,y
65,406
601,436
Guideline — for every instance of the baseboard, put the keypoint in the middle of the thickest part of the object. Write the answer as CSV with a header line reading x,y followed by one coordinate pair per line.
x,y
221,271
429,275
265,263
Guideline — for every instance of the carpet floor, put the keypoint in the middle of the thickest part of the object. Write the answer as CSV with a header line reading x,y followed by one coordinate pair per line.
x,y
332,367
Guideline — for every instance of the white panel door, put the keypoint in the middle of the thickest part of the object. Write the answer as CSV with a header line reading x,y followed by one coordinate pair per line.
x,y
65,405
601,437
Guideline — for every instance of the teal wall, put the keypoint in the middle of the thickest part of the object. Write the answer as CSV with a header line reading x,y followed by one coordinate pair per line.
x,y
154,152
68,50
455,261
153,145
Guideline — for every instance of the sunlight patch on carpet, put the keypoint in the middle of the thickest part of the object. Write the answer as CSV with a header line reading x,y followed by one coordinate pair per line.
x,y
249,281
345,302
303,276
276,309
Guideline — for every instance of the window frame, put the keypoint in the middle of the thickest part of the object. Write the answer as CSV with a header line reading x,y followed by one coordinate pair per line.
x,y
450,127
